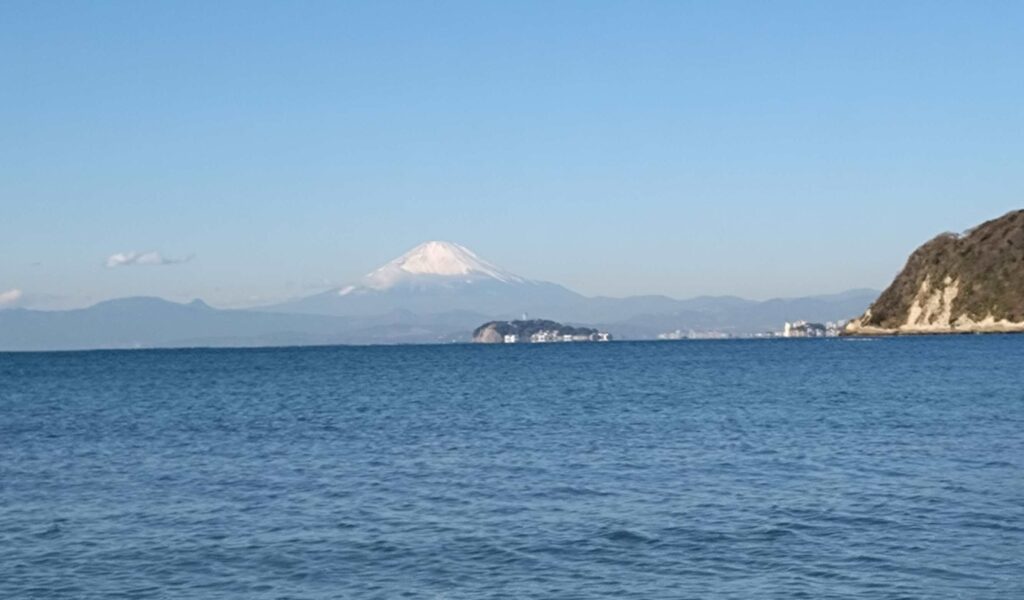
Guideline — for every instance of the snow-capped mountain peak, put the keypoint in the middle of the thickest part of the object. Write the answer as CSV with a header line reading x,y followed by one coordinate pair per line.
x,y
435,259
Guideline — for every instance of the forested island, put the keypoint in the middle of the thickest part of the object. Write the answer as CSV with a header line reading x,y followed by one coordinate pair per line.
x,y
535,331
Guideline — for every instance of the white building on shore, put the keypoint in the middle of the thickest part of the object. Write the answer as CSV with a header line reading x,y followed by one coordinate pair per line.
x,y
804,329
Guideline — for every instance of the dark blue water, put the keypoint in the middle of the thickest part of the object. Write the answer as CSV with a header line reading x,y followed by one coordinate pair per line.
x,y
762,469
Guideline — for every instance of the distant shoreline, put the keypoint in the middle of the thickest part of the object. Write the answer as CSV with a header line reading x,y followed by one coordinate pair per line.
x,y
902,335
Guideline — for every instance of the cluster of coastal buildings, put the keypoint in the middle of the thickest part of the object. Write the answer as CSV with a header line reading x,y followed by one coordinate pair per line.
x,y
540,331
805,329
790,329
550,336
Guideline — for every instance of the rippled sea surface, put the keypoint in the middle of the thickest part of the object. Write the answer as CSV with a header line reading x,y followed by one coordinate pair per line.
x,y
738,469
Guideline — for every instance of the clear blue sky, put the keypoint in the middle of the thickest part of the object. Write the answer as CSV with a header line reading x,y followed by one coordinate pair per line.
x,y
751,148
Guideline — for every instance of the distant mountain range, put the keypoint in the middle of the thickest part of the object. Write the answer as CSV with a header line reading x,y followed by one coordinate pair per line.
x,y
156,323
436,292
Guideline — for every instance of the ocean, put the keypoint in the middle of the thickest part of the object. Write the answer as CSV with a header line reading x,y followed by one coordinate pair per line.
x,y
831,468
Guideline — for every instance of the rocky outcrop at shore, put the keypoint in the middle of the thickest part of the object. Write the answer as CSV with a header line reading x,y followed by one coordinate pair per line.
x,y
970,283
488,334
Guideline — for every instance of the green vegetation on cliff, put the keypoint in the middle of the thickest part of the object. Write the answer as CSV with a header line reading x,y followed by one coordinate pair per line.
x,y
968,282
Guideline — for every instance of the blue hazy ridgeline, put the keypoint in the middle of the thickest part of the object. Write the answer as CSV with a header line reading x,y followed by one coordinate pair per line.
x,y
886,468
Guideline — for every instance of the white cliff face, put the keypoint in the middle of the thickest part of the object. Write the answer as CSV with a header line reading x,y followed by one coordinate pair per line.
x,y
434,259
932,312
933,306
956,283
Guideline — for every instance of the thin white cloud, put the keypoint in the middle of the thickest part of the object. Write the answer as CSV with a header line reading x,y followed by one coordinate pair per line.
x,y
153,258
10,297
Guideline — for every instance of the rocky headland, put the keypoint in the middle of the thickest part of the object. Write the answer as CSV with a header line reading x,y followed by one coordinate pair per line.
x,y
956,283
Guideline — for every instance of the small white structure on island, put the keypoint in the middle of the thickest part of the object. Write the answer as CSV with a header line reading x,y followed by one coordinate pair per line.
x,y
511,338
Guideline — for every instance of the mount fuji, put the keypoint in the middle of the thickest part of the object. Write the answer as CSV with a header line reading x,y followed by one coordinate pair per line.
x,y
445,281
437,260
439,277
